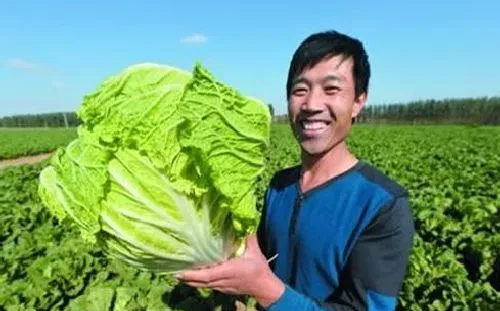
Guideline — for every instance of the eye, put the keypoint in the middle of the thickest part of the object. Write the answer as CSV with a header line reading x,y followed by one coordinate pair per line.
x,y
299,91
331,89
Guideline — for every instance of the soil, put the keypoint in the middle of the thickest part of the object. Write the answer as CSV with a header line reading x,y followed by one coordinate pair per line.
x,y
24,160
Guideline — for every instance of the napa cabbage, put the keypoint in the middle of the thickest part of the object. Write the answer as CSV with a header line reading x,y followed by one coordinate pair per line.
x,y
163,173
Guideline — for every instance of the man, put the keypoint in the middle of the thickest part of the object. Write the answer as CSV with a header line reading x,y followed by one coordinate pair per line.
x,y
341,230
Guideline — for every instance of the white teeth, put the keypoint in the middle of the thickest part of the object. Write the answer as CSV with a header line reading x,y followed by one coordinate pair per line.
x,y
313,125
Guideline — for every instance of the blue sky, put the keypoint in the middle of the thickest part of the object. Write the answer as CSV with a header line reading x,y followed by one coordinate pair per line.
x,y
53,52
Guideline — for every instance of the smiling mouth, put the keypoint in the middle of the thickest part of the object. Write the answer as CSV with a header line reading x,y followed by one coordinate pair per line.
x,y
313,124
313,127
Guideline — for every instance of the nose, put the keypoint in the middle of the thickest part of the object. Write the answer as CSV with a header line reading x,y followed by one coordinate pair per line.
x,y
314,101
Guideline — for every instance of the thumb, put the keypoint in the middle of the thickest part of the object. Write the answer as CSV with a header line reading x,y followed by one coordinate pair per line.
x,y
252,245
239,306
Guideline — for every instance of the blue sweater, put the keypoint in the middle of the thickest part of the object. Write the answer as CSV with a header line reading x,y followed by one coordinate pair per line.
x,y
343,245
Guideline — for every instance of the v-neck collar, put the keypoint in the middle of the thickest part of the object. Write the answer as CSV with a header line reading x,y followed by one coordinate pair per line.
x,y
327,182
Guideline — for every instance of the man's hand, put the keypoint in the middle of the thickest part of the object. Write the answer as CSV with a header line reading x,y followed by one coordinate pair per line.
x,y
240,306
248,274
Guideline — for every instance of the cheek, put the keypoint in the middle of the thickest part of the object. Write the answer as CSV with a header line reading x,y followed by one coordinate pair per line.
x,y
290,110
337,112
341,110
293,110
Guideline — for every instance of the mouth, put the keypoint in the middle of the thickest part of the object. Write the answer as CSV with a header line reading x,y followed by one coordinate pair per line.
x,y
313,127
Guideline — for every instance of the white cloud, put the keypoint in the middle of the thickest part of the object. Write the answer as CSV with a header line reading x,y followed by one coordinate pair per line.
x,y
194,39
19,63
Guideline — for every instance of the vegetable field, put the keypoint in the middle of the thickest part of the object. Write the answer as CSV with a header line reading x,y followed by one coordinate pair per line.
x,y
16,142
452,173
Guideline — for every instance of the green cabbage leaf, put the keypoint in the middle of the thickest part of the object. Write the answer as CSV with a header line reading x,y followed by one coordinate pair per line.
x,y
163,173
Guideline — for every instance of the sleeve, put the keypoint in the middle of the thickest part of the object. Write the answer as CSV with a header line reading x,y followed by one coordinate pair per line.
x,y
261,229
375,269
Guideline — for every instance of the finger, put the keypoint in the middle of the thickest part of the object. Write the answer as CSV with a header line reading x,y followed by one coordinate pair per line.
x,y
200,285
196,269
252,239
220,288
253,249
212,285
204,267
220,272
227,291
201,275
240,306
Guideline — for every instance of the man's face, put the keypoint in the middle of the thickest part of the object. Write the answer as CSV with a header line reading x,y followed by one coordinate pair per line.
x,y
321,104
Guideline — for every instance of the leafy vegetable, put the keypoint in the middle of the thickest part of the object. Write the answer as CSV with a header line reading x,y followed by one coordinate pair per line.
x,y
455,263
18,142
163,173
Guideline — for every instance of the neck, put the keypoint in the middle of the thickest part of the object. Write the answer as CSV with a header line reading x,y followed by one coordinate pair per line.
x,y
317,169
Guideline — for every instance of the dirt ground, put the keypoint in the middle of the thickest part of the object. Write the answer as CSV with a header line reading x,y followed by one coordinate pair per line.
x,y
24,160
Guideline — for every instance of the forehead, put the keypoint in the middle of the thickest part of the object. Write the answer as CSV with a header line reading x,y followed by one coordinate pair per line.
x,y
336,66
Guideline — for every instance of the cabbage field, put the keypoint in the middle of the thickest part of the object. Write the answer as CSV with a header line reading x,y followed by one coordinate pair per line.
x,y
452,173
16,142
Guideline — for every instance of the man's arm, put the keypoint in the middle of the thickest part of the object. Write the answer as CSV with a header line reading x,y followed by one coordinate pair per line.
x,y
375,269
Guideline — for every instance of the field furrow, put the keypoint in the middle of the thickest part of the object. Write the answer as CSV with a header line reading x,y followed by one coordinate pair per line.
x,y
452,173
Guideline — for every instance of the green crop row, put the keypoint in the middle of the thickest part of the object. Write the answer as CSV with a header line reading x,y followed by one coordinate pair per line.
x,y
17,142
452,174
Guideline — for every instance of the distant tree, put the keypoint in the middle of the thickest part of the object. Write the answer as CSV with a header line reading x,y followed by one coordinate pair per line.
x,y
56,119
271,111
483,110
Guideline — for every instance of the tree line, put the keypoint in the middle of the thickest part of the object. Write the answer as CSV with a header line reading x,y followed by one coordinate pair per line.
x,y
56,119
483,110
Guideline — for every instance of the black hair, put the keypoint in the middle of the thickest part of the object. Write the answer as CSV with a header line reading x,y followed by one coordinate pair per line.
x,y
322,45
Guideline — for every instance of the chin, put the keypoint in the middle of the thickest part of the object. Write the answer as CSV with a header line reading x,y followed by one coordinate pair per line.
x,y
319,147
314,149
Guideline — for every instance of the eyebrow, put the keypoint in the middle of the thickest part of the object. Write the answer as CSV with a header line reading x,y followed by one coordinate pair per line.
x,y
330,77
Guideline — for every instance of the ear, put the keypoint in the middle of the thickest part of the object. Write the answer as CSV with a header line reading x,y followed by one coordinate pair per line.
x,y
358,105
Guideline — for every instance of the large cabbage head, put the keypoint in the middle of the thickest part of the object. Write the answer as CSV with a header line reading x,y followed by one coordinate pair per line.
x,y
163,173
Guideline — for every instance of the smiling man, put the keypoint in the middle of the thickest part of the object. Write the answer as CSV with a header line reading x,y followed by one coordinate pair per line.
x,y
341,229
